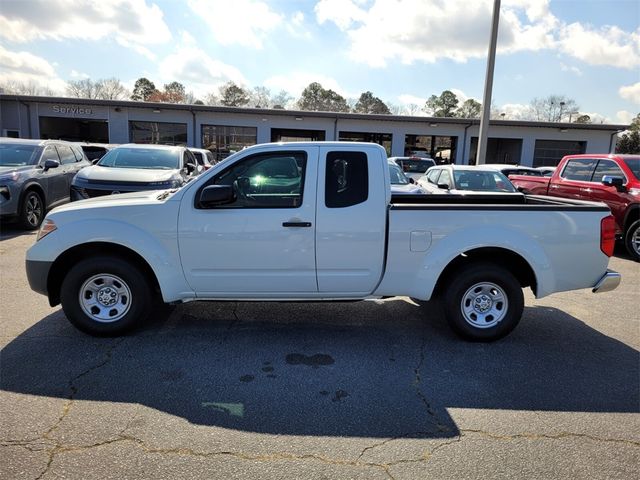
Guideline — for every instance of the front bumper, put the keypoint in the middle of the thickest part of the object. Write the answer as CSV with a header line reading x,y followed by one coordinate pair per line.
x,y
38,275
609,281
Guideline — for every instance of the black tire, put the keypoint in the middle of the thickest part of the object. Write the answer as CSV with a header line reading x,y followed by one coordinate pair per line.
x,y
632,240
133,296
478,311
32,210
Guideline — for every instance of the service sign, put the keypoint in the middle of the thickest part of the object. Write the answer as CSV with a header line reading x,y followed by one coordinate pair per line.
x,y
71,110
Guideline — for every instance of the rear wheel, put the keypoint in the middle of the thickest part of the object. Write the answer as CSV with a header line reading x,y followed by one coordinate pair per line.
x,y
483,302
105,296
31,210
632,240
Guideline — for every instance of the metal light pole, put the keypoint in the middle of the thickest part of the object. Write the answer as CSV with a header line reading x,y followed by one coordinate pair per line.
x,y
488,86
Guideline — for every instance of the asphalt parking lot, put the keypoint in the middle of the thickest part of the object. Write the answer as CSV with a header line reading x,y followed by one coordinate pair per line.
x,y
376,389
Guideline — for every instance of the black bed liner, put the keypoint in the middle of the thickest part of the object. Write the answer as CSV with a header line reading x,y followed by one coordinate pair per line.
x,y
492,201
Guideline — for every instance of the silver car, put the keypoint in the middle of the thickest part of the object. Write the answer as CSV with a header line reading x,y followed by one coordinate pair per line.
x,y
35,176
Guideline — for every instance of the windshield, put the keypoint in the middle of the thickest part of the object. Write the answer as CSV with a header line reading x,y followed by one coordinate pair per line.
x,y
397,176
16,155
417,166
150,158
482,181
634,166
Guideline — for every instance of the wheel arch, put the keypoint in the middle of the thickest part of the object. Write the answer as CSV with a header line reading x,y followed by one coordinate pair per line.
x,y
69,257
510,260
632,214
33,185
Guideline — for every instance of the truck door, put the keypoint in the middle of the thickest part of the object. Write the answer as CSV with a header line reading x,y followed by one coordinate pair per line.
x,y
351,220
575,176
599,192
261,244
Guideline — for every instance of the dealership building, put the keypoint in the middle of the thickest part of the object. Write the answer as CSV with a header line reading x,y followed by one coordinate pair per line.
x,y
224,130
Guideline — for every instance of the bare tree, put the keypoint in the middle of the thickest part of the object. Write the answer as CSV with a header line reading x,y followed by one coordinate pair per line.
x,y
111,89
553,108
412,109
26,88
260,97
212,99
282,99
85,88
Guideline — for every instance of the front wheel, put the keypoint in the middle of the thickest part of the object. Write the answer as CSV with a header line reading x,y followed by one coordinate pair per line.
x,y
32,210
105,296
632,240
483,302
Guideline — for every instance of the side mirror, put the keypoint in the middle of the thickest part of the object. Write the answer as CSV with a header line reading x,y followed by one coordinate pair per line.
x,y
50,164
443,186
520,189
411,180
214,195
611,181
190,168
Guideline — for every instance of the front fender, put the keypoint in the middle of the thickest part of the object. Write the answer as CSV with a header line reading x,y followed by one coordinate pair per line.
x,y
159,249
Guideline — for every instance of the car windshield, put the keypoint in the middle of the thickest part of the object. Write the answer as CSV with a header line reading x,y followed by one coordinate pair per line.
x,y
16,155
482,181
151,158
417,166
634,166
397,176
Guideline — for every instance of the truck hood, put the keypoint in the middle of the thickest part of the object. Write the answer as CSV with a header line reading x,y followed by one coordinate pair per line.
x,y
118,175
6,171
147,197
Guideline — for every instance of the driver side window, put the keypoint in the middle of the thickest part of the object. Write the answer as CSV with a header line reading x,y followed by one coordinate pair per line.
x,y
272,180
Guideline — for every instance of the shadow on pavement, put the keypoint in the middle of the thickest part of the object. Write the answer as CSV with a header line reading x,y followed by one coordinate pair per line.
x,y
11,229
366,369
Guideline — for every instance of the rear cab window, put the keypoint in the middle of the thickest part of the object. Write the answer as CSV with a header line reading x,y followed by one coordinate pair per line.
x,y
347,179
609,168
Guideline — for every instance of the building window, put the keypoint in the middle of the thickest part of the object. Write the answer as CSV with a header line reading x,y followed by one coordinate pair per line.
x,y
11,133
162,133
383,139
296,135
223,140
548,153
441,148
499,150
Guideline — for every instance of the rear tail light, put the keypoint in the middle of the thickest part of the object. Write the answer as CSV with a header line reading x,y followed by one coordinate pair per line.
x,y
608,235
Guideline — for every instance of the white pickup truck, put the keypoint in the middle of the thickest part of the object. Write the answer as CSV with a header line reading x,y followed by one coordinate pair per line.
x,y
316,221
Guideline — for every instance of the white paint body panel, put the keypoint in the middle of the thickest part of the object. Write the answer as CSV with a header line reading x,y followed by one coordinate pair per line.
x,y
247,254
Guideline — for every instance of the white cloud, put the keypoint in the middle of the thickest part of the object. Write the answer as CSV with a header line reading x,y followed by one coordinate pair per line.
x,y
382,30
608,45
26,68
571,69
408,99
199,72
624,116
630,92
78,75
455,29
296,26
131,23
516,111
242,22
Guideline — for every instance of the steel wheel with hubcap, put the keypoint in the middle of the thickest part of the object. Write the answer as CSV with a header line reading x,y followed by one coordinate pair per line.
x,y
483,302
32,210
106,295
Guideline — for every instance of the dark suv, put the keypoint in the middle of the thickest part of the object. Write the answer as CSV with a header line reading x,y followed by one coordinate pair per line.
x,y
35,176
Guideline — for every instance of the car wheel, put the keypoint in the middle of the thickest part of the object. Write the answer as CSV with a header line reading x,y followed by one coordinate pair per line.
x,y
31,210
632,240
483,302
105,296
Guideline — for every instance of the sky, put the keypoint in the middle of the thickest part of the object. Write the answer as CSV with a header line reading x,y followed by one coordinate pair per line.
x,y
401,50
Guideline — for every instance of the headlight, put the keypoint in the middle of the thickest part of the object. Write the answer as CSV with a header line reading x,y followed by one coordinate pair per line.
x,y
634,191
10,177
46,228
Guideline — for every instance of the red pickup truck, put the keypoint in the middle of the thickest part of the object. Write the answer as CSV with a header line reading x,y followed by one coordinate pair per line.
x,y
612,179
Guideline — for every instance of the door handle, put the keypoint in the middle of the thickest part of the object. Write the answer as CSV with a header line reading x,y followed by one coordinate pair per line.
x,y
296,224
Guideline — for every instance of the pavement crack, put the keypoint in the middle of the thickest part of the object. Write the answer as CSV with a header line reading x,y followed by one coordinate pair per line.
x,y
548,436
233,323
416,384
57,447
